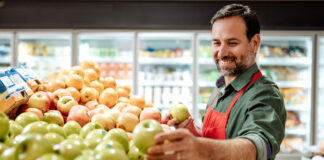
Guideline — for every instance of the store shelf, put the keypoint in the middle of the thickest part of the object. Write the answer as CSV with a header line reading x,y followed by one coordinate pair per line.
x,y
167,83
277,61
166,61
296,131
203,84
207,61
105,59
4,60
53,59
297,107
292,84
289,156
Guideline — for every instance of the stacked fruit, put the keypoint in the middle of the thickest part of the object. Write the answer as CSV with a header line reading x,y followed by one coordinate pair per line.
x,y
80,115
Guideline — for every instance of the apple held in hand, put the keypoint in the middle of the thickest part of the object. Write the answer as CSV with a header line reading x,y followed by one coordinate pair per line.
x,y
179,111
40,101
65,104
4,129
144,133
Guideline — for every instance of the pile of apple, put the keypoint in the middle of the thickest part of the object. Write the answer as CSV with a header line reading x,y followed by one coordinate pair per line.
x,y
79,115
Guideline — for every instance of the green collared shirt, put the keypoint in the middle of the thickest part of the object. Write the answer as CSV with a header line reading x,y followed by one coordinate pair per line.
x,y
259,114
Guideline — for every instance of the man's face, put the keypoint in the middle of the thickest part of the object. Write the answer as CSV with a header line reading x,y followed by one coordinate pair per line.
x,y
232,51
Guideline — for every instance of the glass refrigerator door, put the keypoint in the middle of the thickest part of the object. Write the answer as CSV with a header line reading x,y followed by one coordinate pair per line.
x,y
165,69
5,50
320,100
44,52
208,72
287,61
113,52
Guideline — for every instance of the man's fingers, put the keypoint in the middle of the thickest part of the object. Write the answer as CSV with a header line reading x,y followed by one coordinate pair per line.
x,y
172,135
186,123
172,122
167,148
171,156
166,118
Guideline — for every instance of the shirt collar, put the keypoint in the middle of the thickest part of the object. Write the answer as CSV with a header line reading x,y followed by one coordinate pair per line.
x,y
243,79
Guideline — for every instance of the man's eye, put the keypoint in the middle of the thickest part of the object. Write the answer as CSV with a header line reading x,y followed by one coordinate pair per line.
x,y
216,43
232,43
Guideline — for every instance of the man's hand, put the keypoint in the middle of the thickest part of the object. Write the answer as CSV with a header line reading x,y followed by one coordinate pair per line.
x,y
180,145
188,124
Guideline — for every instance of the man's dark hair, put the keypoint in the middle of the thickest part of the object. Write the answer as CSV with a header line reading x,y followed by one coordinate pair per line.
x,y
245,12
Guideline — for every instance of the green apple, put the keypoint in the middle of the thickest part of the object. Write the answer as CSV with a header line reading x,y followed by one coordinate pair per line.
x,y
26,118
114,154
109,144
54,128
38,127
118,135
9,154
75,136
135,154
71,127
4,129
85,157
96,133
3,147
53,116
51,156
53,138
89,127
71,148
10,141
32,146
179,111
144,133
15,129
92,143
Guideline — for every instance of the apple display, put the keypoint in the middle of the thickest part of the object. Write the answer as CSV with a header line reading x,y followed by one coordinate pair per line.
x,y
53,138
114,113
135,154
97,85
55,85
58,94
40,101
109,144
92,105
121,105
51,98
9,154
138,101
89,94
75,81
85,64
65,104
127,121
14,129
5,126
32,146
26,118
91,74
125,87
118,135
150,113
36,111
74,93
108,82
71,148
132,109
89,127
53,116
77,70
39,127
122,92
108,97
51,156
79,114
144,133
105,120
114,154
3,147
54,128
123,99
71,127
179,111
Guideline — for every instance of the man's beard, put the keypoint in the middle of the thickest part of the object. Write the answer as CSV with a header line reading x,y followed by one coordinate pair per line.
x,y
239,67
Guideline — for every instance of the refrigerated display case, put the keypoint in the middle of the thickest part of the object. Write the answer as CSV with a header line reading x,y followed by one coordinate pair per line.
x,y
5,50
208,73
165,68
112,51
287,61
320,91
44,52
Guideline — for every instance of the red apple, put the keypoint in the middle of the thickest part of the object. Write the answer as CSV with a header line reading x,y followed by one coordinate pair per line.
x,y
65,104
150,113
51,98
132,109
79,114
40,101
38,112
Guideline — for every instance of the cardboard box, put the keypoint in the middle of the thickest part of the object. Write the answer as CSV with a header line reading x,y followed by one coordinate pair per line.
x,y
29,76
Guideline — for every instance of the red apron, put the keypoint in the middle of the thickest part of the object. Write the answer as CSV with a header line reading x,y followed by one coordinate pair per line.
x,y
214,124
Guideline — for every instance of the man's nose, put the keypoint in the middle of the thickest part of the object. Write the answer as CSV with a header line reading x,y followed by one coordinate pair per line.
x,y
222,51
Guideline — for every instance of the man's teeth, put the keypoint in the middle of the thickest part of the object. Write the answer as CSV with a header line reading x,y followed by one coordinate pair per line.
x,y
226,61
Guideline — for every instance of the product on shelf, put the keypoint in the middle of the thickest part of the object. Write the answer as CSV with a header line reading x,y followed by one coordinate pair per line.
x,y
275,51
293,95
205,51
177,52
209,76
292,119
283,73
205,94
116,70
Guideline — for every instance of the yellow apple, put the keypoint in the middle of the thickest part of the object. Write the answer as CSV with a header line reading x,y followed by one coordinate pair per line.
x,y
108,82
121,105
77,70
74,93
108,97
127,121
132,109
138,101
85,64
88,94
91,74
55,85
60,93
105,120
123,99
97,85
74,81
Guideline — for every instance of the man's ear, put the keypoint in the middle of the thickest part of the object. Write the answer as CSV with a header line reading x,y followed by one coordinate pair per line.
x,y
255,42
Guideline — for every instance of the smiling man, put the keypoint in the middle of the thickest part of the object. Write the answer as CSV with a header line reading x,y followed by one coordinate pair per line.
x,y
245,116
